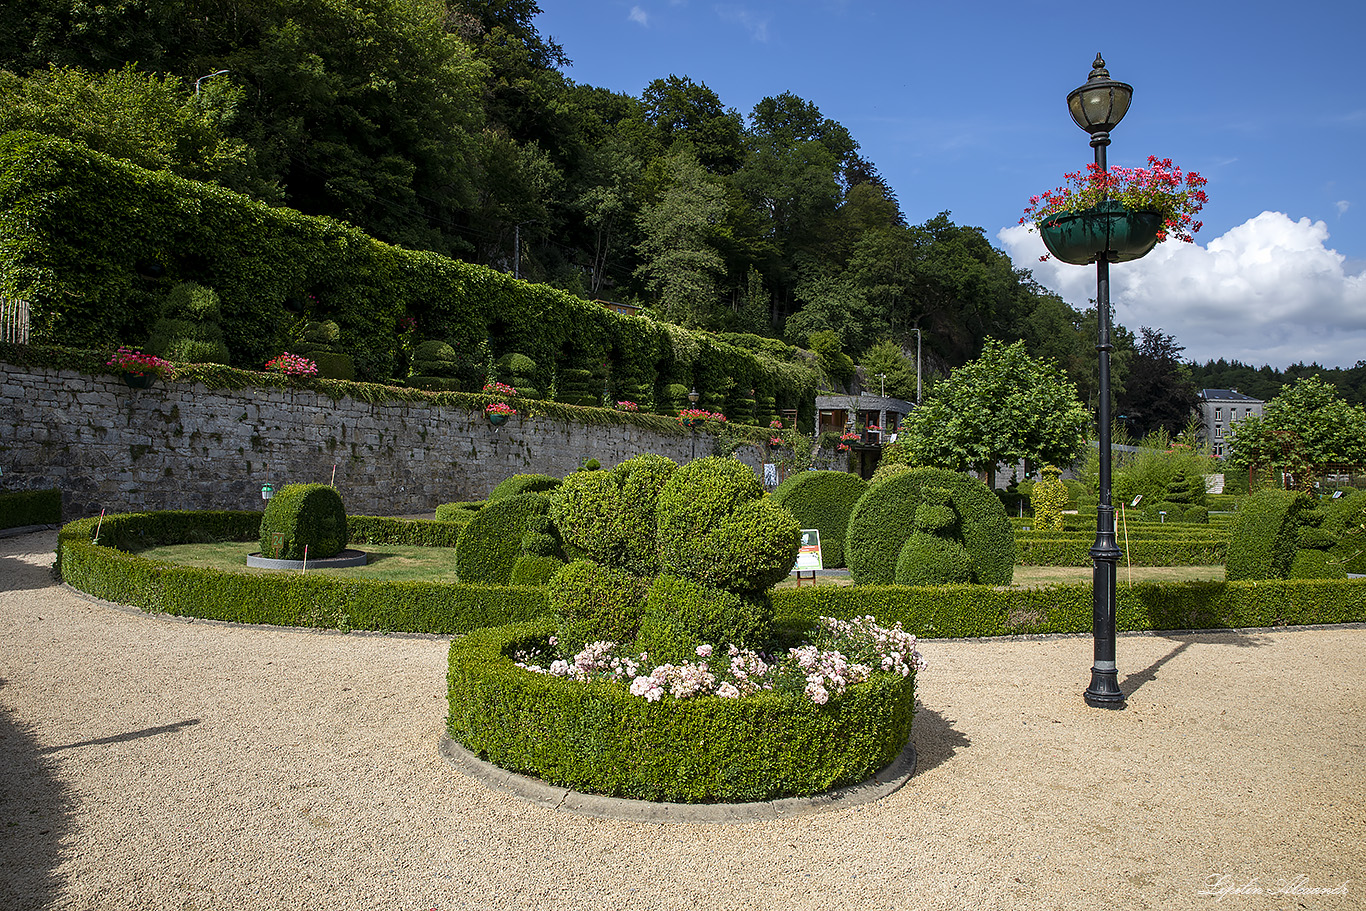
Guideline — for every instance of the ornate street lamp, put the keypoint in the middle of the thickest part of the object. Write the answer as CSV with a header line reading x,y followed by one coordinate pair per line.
x,y
1098,107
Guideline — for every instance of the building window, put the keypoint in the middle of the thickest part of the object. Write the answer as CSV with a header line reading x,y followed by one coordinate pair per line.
x,y
1218,431
1218,414
1219,449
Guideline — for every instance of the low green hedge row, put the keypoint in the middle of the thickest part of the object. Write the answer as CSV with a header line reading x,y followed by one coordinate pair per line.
x,y
1075,551
406,532
30,507
598,738
107,570
958,611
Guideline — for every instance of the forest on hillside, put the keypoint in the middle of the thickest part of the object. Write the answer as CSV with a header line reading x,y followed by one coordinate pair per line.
x,y
450,126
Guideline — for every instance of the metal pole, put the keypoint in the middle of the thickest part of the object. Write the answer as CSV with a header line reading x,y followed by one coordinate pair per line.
x,y
1104,690
917,366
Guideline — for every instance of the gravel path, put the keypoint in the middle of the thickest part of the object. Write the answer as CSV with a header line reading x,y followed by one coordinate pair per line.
x,y
150,762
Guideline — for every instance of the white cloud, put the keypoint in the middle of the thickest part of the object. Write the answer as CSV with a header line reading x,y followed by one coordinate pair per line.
x,y
1269,291
638,15
756,25
1343,205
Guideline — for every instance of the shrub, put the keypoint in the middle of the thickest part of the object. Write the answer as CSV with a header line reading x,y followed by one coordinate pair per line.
x,y
680,613
30,507
927,559
597,737
436,359
594,603
884,518
188,329
491,543
822,500
533,570
716,528
1266,535
1349,551
610,516
1049,498
523,483
304,515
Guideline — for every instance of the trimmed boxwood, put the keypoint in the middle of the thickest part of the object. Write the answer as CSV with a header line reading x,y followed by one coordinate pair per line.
x,y
490,544
19,508
1349,551
822,500
964,611
884,518
1266,535
304,516
523,483
679,614
610,516
593,602
598,738
109,570
1069,549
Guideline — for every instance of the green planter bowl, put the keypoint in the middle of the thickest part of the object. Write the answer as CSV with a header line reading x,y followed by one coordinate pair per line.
x,y
1110,230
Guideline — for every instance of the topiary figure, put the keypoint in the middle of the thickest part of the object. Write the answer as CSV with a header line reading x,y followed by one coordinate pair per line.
x,y
524,483
594,603
188,329
520,372
321,344
1049,498
490,545
610,516
680,614
822,500
1265,535
934,553
434,358
1349,550
885,517
1187,488
304,515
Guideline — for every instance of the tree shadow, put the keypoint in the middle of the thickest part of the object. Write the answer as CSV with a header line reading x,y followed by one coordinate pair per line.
x,y
20,575
37,810
1184,641
123,738
936,739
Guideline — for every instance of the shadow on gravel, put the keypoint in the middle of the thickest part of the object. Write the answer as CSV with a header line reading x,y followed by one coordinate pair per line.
x,y
1185,641
17,575
936,739
35,815
124,738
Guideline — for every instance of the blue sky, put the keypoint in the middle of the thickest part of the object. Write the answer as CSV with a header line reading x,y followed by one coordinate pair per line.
x,y
962,108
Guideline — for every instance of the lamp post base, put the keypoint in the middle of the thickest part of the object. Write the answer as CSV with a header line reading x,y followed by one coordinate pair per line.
x,y
1104,691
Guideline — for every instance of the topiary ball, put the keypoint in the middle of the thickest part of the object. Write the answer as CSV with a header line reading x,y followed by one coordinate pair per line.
x,y
524,483
717,528
304,515
822,500
884,518
489,546
610,516
935,515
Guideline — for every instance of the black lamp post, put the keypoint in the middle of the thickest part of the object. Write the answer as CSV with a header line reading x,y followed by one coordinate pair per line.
x,y
1097,107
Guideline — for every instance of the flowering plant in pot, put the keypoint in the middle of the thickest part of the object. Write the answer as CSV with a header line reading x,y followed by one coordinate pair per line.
x,y
1133,208
138,369
499,412
292,365
691,417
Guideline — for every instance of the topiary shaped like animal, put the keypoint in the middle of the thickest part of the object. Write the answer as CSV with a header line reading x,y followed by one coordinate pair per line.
x,y
934,554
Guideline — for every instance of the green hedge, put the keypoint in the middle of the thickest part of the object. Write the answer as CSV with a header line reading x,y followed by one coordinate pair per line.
x,y
407,532
30,507
1069,550
1266,535
96,288
822,500
488,547
303,518
598,738
959,611
107,570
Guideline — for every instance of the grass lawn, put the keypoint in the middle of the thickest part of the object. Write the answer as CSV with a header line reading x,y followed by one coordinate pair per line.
x,y
1037,576
390,562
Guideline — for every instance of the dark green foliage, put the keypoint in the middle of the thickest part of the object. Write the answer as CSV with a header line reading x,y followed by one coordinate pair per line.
x,y
533,570
884,518
523,483
491,543
1349,551
435,358
595,603
965,611
458,512
928,559
600,739
30,507
415,532
681,614
1266,535
822,500
1187,488
716,528
322,344
609,516
108,570
188,329
305,515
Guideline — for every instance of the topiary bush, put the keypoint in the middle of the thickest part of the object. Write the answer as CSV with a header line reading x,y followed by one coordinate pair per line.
x,y
188,329
490,545
1265,535
1049,497
594,603
885,517
304,515
30,507
822,500
934,553
679,614
610,516
523,483
1349,551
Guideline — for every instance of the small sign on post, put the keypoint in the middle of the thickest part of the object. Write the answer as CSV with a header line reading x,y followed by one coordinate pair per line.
x,y
277,543
808,556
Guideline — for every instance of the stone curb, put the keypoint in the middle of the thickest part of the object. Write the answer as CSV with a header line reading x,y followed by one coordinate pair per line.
x,y
341,560
560,799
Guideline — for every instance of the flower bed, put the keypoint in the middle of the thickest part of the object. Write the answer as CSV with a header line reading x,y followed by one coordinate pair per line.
x,y
594,735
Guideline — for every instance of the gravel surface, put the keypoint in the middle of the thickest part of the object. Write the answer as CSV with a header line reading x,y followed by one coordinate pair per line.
x,y
152,762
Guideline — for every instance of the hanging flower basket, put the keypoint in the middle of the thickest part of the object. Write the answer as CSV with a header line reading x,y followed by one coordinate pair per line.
x,y
139,380
1110,229
497,419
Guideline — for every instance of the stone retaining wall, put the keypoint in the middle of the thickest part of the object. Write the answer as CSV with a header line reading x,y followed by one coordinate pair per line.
x,y
184,446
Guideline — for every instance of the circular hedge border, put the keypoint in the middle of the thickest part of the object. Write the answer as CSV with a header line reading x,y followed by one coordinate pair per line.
x,y
598,738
